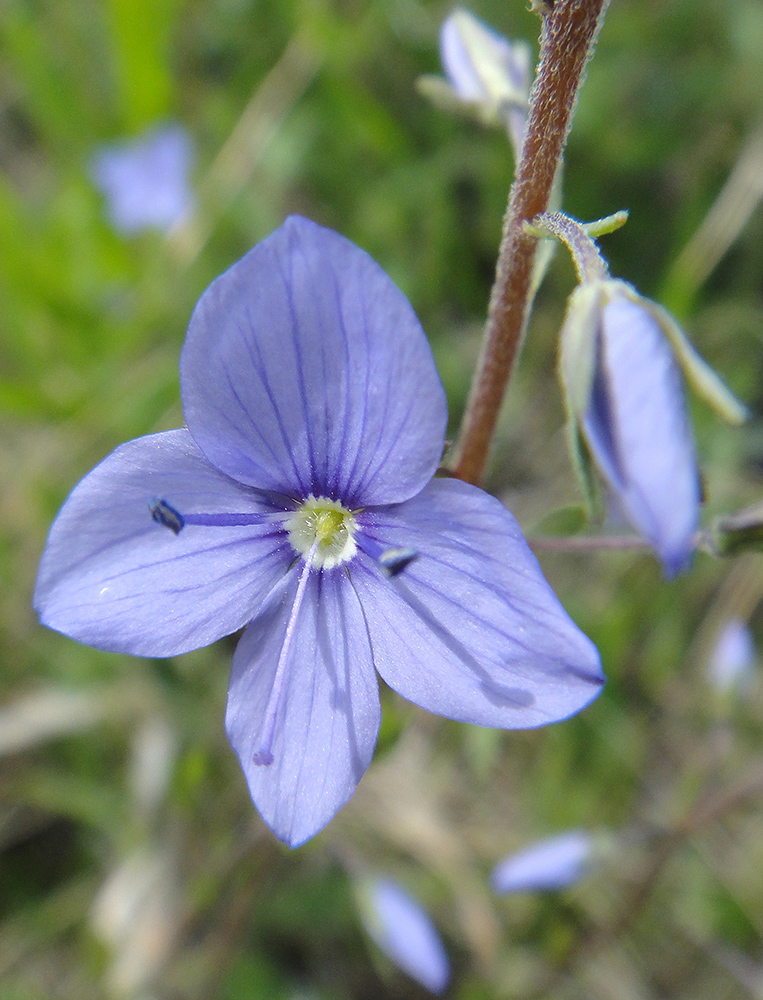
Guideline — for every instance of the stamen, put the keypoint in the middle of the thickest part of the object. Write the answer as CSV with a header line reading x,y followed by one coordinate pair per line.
x,y
263,756
233,520
393,559
167,516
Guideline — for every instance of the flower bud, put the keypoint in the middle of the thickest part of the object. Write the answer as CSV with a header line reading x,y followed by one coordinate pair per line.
x,y
624,396
486,73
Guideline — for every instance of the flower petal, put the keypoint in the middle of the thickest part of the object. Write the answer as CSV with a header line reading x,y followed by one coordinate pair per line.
x,y
402,929
113,578
732,658
639,433
305,370
328,711
471,629
550,864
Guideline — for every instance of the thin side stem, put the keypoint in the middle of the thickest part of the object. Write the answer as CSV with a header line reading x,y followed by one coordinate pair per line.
x,y
567,39
592,543
588,261
586,543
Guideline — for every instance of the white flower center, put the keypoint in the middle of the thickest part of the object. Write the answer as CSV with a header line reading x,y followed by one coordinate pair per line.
x,y
329,524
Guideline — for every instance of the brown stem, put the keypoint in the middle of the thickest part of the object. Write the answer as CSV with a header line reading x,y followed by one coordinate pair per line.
x,y
567,39
714,806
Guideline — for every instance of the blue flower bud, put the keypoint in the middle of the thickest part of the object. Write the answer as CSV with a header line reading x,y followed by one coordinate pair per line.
x,y
486,74
624,396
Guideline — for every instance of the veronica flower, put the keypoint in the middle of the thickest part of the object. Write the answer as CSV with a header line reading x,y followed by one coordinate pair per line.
x,y
299,502
404,932
550,864
145,181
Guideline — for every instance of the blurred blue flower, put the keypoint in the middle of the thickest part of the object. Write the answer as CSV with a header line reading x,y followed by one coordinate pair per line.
x,y
299,502
550,864
145,181
404,932
730,666
623,391
487,71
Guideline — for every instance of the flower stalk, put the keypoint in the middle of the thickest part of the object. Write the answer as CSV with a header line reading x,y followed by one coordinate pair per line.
x,y
569,32
588,261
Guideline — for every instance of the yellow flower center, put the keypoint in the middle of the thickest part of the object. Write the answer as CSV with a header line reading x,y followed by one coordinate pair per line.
x,y
329,524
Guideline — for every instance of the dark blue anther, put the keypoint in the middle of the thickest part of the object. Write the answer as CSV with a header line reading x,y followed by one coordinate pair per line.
x,y
395,560
167,516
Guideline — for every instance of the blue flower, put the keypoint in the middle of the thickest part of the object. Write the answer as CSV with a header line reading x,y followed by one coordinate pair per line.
x,y
404,932
145,181
550,864
623,390
299,502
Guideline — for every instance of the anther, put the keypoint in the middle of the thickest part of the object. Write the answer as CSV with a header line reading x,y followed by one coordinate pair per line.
x,y
166,515
395,560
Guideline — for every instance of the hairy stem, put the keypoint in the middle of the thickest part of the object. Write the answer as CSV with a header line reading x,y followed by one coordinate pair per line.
x,y
588,261
567,39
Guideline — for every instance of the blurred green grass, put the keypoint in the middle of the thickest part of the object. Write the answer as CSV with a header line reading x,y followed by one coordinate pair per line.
x,y
91,325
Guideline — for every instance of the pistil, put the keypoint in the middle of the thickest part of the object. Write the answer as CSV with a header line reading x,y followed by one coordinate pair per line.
x,y
325,528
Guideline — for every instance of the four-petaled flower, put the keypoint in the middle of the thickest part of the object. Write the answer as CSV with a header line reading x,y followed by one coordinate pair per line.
x,y
299,502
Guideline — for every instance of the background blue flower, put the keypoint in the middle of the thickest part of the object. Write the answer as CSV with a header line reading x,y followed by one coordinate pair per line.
x,y
146,180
